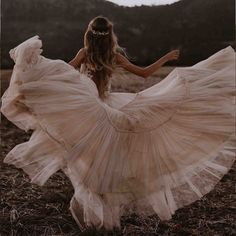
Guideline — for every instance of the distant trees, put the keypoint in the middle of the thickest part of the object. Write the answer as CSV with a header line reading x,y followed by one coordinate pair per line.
x,y
197,27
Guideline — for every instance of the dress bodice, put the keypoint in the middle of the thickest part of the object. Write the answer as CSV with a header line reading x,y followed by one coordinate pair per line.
x,y
88,70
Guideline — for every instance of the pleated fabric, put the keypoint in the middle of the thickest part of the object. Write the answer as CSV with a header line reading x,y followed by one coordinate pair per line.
x,y
151,152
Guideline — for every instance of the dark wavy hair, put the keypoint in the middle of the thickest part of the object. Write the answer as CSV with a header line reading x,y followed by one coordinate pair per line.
x,y
101,46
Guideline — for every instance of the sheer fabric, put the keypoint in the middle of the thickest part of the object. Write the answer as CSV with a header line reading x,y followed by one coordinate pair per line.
x,y
151,152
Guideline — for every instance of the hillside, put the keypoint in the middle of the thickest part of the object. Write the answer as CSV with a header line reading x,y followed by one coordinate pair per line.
x,y
198,27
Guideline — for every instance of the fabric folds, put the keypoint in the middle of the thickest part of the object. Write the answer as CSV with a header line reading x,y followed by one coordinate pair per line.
x,y
151,152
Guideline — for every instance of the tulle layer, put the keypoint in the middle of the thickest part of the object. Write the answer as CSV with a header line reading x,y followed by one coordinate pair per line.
x,y
149,152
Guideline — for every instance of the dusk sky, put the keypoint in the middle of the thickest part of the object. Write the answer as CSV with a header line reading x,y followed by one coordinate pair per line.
x,y
131,3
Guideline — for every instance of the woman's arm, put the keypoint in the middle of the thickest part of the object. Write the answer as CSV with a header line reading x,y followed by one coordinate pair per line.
x,y
148,70
77,60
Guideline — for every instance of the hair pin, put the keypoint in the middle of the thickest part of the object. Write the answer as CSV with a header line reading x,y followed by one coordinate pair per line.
x,y
99,33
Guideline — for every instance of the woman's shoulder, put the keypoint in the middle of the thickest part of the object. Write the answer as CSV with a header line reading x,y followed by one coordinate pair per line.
x,y
80,56
81,52
120,58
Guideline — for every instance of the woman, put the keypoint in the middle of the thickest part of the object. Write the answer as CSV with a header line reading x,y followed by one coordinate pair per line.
x,y
151,152
101,55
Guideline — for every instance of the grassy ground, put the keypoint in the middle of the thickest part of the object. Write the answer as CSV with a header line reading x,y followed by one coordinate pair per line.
x,y
27,209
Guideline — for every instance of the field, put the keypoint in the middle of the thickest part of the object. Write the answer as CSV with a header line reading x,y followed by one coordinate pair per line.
x,y
29,210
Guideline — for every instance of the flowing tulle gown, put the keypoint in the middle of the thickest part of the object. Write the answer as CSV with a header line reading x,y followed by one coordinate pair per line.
x,y
149,152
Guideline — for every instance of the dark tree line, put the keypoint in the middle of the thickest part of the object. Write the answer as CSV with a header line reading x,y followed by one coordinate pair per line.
x,y
198,27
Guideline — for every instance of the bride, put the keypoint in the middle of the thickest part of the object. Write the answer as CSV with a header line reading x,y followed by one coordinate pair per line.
x,y
100,55
150,152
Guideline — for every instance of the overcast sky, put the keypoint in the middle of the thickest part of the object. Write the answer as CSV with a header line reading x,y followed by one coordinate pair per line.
x,y
142,2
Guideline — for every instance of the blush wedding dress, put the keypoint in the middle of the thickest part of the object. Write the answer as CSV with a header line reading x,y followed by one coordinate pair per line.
x,y
150,152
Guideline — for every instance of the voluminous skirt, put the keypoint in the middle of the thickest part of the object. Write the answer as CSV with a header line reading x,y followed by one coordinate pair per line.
x,y
149,152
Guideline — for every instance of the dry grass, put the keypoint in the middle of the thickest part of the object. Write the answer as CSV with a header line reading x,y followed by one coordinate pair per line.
x,y
27,209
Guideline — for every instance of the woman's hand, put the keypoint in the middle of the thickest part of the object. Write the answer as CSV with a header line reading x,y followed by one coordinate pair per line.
x,y
173,55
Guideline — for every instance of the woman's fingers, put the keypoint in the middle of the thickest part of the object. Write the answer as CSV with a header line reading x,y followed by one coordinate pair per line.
x,y
175,54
